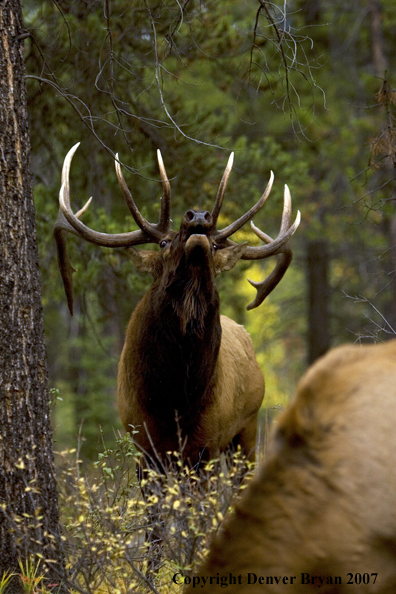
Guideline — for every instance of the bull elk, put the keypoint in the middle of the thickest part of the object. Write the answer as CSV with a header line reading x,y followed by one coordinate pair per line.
x,y
180,356
320,515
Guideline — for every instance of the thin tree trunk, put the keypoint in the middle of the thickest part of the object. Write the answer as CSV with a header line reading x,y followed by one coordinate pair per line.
x,y
377,39
311,10
318,332
380,64
389,310
28,494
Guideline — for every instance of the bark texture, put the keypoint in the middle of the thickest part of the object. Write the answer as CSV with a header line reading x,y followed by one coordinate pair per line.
x,y
28,494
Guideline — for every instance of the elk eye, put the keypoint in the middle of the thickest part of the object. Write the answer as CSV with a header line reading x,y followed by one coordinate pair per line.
x,y
163,243
215,247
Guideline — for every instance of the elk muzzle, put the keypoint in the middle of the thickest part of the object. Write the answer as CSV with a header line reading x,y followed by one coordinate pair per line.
x,y
197,221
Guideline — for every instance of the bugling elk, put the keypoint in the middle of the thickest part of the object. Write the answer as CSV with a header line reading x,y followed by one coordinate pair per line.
x,y
180,356
320,515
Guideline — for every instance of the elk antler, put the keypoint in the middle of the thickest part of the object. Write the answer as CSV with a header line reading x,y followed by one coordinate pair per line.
x,y
68,222
233,227
279,246
221,190
164,222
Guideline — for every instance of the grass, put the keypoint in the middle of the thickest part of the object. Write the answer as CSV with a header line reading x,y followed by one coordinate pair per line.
x,y
31,576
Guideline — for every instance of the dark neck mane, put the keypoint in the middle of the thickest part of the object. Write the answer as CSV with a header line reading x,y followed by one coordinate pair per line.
x,y
180,346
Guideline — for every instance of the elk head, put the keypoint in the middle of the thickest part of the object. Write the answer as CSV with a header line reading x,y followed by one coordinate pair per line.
x,y
197,241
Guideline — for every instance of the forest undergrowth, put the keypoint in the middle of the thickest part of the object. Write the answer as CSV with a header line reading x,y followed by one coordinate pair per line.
x,y
117,541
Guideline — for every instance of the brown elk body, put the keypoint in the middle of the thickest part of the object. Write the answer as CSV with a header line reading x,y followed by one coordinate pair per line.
x,y
323,506
184,369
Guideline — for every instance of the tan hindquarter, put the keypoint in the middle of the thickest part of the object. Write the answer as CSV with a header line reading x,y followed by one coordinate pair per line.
x,y
324,502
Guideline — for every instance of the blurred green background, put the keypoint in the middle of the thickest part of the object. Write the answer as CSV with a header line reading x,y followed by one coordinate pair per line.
x,y
303,88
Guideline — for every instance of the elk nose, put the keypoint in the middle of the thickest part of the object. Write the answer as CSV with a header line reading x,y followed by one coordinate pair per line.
x,y
198,219
202,218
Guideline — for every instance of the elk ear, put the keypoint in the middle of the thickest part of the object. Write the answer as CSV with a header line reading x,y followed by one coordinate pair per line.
x,y
226,258
145,260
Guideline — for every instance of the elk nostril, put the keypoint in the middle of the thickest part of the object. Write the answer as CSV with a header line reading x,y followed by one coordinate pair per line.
x,y
207,216
190,215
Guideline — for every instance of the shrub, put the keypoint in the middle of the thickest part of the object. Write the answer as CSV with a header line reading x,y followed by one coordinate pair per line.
x,y
117,541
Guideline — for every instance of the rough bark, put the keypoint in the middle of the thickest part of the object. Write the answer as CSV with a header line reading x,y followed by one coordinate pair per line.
x,y
28,494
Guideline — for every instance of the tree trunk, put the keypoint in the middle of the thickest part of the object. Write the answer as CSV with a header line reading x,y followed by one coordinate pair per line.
x,y
311,10
389,265
318,333
28,494
377,39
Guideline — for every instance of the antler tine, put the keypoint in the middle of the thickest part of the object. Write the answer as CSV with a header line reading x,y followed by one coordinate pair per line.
x,y
64,194
84,209
285,233
274,245
280,246
68,222
61,229
227,231
287,210
265,287
222,189
144,225
164,222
